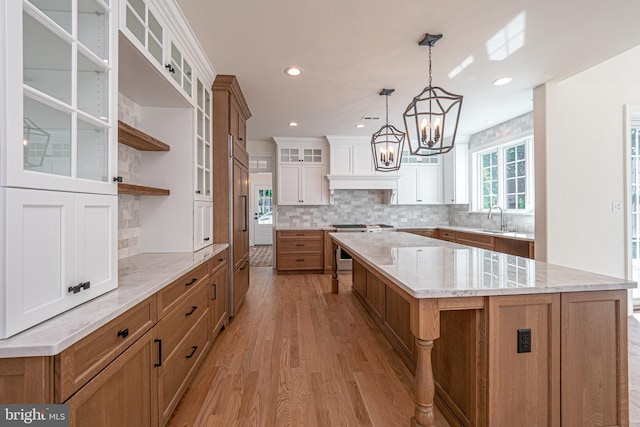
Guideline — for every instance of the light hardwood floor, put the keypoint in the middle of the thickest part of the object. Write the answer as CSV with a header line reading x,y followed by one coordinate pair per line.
x,y
297,355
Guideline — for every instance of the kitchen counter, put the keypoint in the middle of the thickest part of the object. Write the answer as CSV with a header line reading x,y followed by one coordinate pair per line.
x,y
285,228
139,277
432,268
549,340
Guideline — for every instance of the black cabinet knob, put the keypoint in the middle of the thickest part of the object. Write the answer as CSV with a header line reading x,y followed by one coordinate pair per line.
x,y
123,333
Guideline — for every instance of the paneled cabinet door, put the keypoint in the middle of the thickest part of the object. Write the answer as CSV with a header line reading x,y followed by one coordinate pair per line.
x,y
61,251
123,394
202,225
219,298
311,176
420,185
408,185
289,185
240,213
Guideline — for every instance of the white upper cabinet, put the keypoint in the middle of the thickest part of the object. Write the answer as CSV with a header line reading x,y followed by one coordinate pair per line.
x,y
203,154
420,180
141,21
302,166
456,174
59,72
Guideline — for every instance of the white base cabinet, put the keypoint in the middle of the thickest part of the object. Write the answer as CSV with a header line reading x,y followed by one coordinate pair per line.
x,y
202,225
59,251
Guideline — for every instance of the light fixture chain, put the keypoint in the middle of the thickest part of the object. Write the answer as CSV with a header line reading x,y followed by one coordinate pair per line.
x,y
386,98
430,65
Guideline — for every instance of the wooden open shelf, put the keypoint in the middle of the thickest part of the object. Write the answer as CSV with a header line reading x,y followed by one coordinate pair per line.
x,y
139,140
141,190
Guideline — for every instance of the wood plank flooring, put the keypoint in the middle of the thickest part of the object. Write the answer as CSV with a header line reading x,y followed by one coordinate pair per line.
x,y
297,355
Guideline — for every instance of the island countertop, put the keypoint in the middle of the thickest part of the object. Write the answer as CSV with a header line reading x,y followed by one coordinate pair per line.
x,y
431,268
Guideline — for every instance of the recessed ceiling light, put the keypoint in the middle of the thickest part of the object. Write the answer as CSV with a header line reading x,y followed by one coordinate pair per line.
x,y
502,81
292,71
359,125
293,124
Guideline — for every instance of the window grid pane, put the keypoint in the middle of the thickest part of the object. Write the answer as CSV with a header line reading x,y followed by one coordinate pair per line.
x,y
515,174
489,183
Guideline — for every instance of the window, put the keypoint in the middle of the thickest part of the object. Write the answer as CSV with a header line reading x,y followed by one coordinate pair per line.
x,y
504,177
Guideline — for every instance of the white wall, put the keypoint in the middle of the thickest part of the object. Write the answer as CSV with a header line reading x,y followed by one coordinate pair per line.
x,y
579,131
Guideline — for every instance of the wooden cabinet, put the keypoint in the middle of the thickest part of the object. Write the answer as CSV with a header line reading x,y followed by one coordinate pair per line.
x,y
421,231
133,370
299,250
230,182
79,363
359,278
219,300
123,394
483,241
328,251
498,243
375,294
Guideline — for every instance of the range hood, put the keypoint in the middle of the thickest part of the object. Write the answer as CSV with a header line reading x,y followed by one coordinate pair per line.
x,y
351,167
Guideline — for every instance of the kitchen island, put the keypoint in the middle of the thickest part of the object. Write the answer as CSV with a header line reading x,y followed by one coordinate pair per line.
x,y
495,339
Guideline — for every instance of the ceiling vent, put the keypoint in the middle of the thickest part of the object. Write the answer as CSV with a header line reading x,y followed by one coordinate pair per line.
x,y
370,118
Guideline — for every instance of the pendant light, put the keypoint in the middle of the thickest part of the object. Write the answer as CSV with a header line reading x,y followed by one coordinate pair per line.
x,y
431,119
387,143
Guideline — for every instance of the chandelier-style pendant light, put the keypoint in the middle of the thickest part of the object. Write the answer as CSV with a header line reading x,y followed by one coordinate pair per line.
x,y
387,143
431,115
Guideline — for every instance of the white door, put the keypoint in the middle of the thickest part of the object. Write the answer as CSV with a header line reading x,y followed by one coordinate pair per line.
x,y
262,215
202,224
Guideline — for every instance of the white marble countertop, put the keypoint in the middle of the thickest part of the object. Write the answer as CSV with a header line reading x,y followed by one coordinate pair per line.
x,y
139,277
432,268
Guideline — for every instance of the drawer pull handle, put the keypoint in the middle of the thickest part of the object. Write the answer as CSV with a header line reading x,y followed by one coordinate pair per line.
x,y
220,259
215,292
193,351
206,239
300,244
300,259
159,353
194,280
299,234
123,333
193,308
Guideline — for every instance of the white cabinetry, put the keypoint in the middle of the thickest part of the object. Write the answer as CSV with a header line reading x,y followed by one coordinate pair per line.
x,y
61,248
164,70
420,181
301,171
58,203
203,225
456,174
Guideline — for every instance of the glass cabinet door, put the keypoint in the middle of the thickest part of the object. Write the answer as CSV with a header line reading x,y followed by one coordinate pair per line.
x,y
181,70
66,102
203,141
145,27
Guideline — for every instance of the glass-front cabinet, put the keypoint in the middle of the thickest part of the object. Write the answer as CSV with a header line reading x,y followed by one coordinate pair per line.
x,y
60,82
203,153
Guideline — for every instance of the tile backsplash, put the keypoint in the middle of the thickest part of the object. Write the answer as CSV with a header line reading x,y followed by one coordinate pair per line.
x,y
129,170
367,206
362,206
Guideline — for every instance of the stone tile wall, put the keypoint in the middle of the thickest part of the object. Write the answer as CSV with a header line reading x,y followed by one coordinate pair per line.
x,y
129,170
362,206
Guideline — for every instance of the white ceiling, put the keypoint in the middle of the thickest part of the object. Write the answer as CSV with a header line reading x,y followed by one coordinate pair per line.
x,y
350,49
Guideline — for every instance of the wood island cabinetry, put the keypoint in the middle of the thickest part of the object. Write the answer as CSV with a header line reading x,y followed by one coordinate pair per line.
x,y
570,371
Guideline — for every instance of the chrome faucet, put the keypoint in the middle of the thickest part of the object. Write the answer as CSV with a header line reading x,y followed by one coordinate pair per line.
x,y
503,226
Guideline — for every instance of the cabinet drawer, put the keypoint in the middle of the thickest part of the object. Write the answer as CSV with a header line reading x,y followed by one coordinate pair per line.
x,y
300,234
472,239
521,248
299,246
447,235
173,327
174,374
169,296
217,261
300,262
76,365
